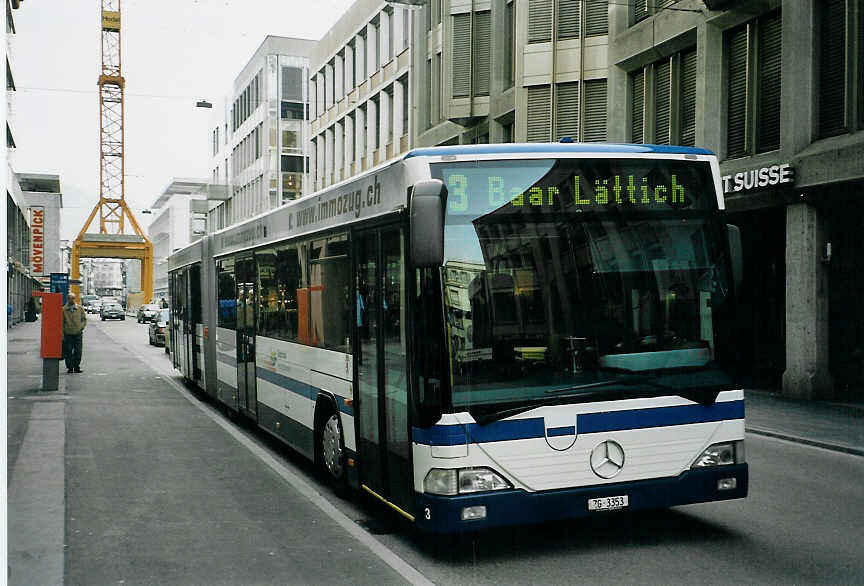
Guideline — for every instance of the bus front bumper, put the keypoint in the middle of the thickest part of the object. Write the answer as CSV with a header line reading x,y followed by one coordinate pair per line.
x,y
444,514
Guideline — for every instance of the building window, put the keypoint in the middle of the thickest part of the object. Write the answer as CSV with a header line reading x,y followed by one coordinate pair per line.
x,y
471,51
594,126
362,48
406,28
389,92
292,186
461,55
289,141
841,69
377,122
375,28
509,44
753,58
403,81
584,120
292,84
480,55
663,101
429,119
642,9
508,132
539,21
574,18
292,164
391,32
349,67
539,114
292,111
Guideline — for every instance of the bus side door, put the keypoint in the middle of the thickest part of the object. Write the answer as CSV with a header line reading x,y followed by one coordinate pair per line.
x,y
246,300
382,423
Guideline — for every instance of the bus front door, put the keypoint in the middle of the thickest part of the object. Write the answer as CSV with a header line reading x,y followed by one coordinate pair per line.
x,y
188,326
193,309
382,423
246,392
178,315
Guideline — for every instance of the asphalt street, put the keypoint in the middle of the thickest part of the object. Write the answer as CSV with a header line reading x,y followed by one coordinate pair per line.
x,y
161,488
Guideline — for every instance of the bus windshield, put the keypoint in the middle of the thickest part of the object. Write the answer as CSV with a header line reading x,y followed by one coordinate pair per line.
x,y
583,278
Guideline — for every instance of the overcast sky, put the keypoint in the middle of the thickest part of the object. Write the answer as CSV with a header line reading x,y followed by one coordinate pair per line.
x,y
174,52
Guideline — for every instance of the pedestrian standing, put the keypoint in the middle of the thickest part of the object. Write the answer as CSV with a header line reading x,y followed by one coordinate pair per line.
x,y
74,322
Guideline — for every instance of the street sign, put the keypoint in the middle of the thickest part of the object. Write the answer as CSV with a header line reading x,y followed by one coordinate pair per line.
x,y
60,284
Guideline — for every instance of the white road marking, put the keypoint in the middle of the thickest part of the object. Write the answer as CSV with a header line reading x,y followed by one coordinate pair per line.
x,y
387,555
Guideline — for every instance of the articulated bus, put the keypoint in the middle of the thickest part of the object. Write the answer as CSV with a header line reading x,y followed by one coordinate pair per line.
x,y
483,336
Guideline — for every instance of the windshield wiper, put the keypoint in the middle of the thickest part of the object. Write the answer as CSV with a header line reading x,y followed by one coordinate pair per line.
x,y
605,383
496,415
703,396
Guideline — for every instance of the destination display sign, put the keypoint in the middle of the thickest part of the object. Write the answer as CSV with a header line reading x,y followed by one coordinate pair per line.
x,y
616,190
576,185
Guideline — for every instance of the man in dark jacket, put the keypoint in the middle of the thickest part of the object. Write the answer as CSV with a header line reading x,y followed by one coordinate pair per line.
x,y
74,322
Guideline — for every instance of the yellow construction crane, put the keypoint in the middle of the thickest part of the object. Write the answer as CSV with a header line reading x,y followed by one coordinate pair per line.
x,y
112,241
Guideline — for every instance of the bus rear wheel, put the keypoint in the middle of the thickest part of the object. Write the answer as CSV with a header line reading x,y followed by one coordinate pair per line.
x,y
331,450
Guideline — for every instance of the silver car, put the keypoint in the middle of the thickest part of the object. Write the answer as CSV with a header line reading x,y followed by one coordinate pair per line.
x,y
112,311
147,312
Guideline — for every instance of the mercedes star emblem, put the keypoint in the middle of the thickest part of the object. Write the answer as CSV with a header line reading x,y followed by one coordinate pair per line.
x,y
607,459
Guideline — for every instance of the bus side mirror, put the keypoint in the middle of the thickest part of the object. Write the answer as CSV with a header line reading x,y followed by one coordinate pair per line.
x,y
428,200
735,251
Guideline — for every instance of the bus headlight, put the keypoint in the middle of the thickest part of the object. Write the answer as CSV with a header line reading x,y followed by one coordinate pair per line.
x,y
463,481
480,480
722,454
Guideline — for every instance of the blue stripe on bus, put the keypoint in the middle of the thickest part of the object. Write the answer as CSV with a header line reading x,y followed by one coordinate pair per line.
x,y
556,431
660,417
299,387
556,147
451,435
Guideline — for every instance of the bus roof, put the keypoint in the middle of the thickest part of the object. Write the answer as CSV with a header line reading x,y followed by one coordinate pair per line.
x,y
554,147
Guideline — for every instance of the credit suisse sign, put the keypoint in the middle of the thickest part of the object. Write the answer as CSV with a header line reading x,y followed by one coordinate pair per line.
x,y
758,178
37,241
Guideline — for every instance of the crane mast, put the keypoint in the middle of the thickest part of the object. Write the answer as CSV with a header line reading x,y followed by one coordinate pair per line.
x,y
111,85
112,240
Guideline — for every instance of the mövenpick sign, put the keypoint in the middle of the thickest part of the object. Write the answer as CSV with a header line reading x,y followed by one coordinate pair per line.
x,y
37,241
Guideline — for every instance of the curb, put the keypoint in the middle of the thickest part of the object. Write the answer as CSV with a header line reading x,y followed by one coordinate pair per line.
x,y
857,408
801,440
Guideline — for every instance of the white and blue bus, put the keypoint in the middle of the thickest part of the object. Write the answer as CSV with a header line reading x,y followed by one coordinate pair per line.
x,y
482,336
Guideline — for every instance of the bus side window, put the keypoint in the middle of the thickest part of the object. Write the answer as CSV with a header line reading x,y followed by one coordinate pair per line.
x,y
227,297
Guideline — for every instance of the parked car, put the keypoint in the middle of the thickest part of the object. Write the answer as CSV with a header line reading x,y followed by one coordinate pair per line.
x,y
112,311
158,328
147,312
94,307
87,300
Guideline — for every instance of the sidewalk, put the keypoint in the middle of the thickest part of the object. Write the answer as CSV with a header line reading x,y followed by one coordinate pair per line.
x,y
118,478
834,426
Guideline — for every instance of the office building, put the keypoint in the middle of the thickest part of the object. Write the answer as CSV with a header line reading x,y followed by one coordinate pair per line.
x,y
258,136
